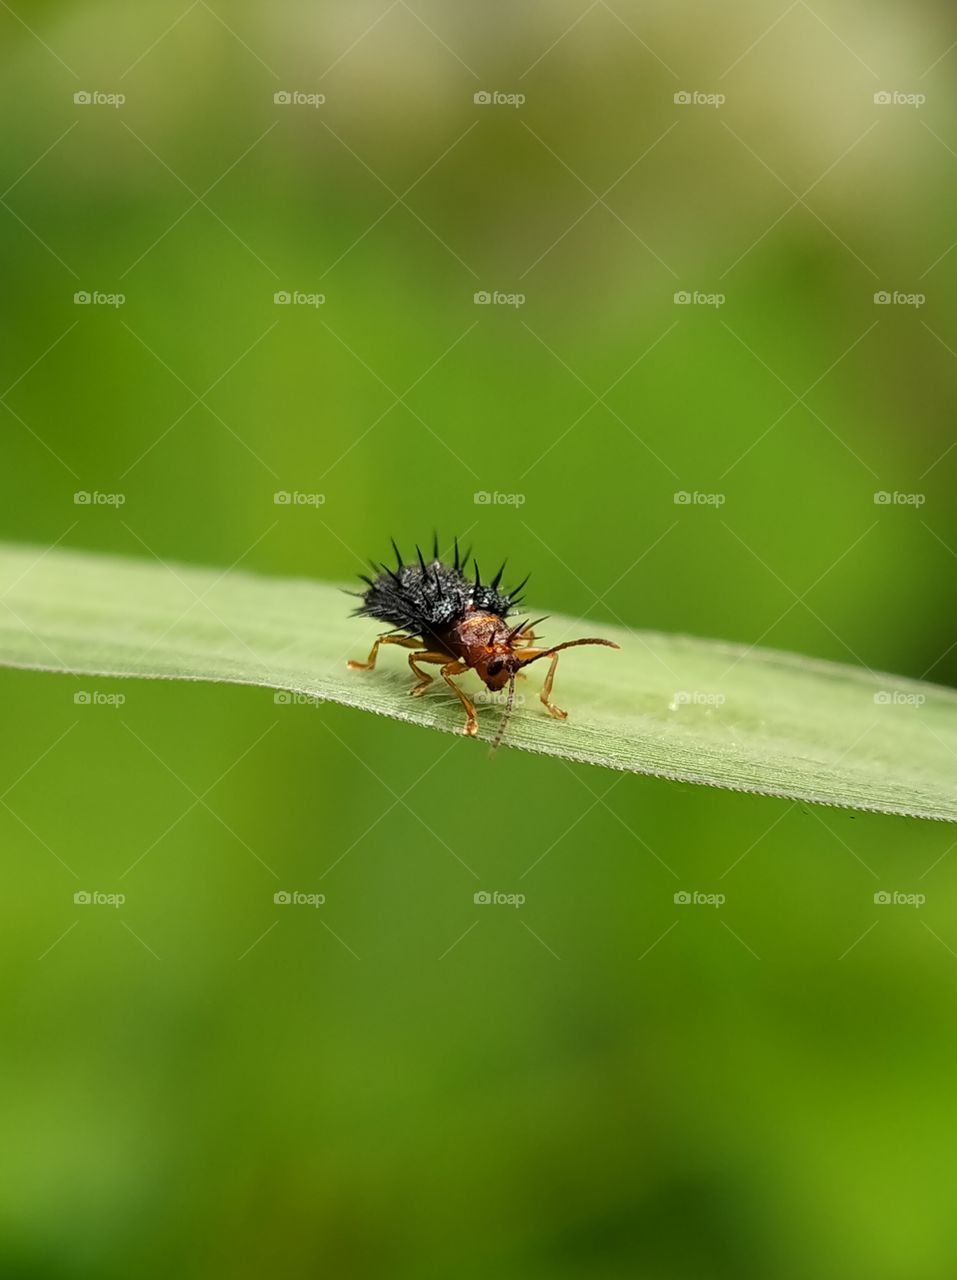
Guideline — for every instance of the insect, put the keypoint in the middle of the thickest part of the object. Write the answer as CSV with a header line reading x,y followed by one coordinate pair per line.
x,y
458,624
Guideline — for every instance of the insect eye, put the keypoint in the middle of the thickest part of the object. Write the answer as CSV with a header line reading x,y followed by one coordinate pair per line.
x,y
495,666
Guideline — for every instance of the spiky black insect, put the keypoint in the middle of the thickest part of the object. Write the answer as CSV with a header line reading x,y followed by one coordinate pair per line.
x,y
458,623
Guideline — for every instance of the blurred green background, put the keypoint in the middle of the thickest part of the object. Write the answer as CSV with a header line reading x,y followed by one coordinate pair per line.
x,y
600,1082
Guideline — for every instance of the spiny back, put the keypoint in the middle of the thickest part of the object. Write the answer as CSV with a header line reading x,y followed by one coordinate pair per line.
x,y
422,598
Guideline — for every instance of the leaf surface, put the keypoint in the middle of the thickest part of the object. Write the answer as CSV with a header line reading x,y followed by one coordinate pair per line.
x,y
670,705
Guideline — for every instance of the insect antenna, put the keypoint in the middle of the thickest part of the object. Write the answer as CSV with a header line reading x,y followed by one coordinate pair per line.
x,y
568,644
500,732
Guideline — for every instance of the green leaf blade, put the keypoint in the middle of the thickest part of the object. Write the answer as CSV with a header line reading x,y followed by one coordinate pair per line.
x,y
673,706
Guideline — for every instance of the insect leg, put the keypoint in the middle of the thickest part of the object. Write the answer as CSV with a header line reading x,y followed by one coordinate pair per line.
x,y
557,712
456,669
524,640
407,642
424,678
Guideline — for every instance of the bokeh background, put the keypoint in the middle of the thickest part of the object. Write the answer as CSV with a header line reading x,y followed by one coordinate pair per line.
x,y
600,1082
